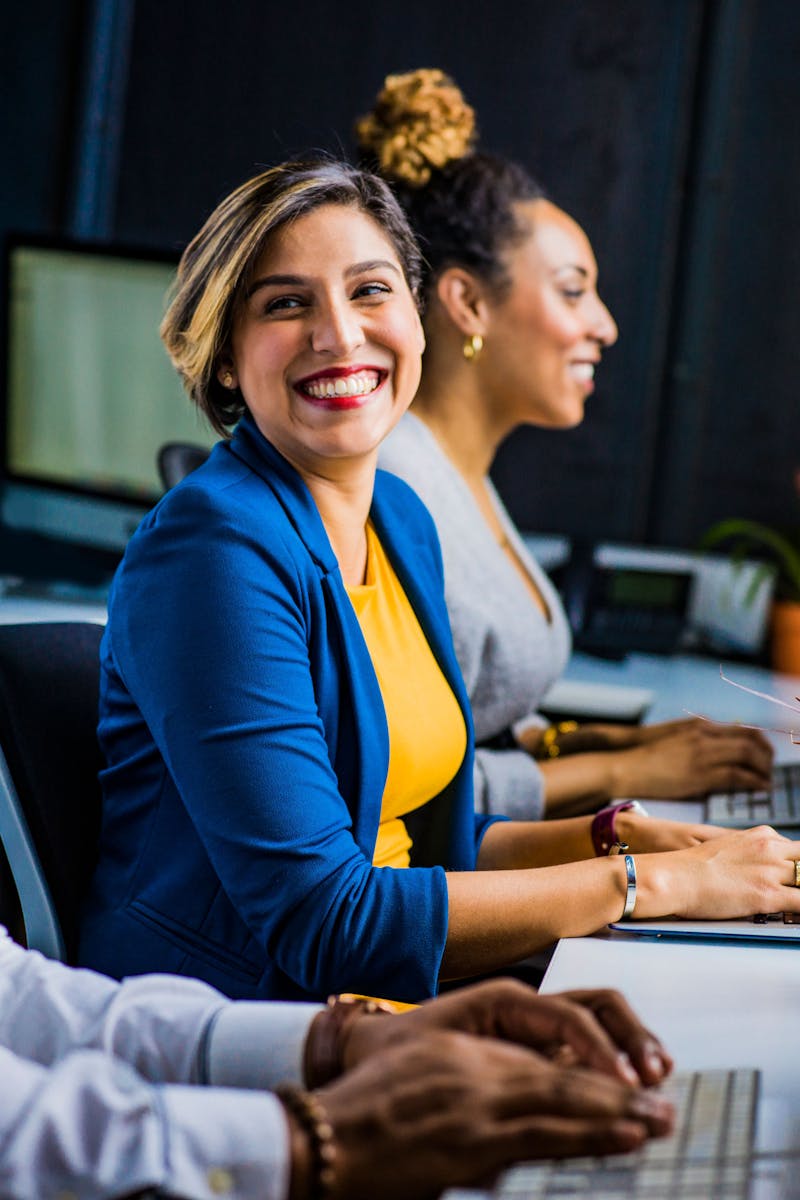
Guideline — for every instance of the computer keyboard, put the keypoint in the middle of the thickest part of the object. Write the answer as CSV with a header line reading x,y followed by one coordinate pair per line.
x,y
780,806
709,1156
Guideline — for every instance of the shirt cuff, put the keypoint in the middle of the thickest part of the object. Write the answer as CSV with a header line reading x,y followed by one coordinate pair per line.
x,y
223,1143
532,721
257,1045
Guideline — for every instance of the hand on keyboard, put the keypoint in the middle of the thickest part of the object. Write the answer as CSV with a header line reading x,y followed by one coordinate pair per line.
x,y
591,1027
450,1109
693,757
734,875
709,1155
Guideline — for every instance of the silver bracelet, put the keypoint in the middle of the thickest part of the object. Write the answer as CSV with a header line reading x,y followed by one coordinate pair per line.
x,y
630,891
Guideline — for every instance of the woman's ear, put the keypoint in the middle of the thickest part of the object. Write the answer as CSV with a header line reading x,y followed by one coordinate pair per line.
x,y
463,297
420,334
226,373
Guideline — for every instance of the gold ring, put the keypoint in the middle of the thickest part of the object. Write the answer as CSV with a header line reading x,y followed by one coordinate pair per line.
x,y
797,872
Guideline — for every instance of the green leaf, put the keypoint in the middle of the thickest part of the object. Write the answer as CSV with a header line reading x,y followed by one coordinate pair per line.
x,y
751,536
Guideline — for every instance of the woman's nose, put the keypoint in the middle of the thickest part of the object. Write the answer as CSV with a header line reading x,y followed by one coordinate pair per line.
x,y
604,326
336,329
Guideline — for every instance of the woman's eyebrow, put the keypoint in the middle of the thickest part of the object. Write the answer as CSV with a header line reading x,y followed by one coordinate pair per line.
x,y
373,264
571,267
275,280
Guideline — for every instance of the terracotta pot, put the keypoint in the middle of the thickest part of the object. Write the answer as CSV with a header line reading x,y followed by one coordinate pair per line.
x,y
785,636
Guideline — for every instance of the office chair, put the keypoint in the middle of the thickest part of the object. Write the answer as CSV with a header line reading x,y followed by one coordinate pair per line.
x,y
175,460
50,800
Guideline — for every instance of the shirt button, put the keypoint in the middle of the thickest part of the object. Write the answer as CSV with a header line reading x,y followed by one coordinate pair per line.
x,y
220,1181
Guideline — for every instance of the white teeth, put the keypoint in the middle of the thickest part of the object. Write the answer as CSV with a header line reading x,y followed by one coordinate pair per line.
x,y
584,371
350,385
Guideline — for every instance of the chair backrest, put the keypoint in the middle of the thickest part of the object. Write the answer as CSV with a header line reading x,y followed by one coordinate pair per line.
x,y
50,799
176,460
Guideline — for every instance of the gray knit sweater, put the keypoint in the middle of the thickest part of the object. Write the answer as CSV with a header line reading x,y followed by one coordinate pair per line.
x,y
509,652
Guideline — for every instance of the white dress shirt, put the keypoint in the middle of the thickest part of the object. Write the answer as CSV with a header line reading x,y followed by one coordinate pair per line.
x,y
94,1099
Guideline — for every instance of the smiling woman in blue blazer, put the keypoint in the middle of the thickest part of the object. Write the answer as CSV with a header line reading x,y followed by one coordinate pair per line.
x,y
288,791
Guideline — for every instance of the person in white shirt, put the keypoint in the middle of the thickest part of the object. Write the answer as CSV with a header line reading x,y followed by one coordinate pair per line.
x,y
100,1095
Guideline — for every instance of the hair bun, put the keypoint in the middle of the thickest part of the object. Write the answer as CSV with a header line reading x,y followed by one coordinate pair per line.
x,y
420,122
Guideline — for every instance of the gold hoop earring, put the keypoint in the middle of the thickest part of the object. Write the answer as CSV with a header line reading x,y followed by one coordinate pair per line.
x,y
227,380
472,347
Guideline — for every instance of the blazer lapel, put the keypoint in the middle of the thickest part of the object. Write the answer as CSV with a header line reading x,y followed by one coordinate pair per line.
x,y
362,750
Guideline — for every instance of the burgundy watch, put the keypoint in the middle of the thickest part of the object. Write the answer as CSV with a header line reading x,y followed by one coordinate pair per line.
x,y
604,824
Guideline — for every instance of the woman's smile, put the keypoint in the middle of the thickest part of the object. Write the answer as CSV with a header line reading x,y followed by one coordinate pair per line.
x,y
341,388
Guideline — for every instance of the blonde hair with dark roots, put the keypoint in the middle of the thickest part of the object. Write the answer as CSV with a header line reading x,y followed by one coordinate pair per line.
x,y
461,202
218,263
420,123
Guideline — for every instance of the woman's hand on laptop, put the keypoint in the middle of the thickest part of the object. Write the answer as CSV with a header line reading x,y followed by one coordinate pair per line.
x,y
734,875
693,758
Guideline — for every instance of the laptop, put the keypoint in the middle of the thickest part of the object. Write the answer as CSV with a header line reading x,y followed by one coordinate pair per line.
x,y
774,927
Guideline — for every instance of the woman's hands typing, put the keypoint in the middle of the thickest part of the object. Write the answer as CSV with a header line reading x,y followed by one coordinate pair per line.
x,y
692,757
733,875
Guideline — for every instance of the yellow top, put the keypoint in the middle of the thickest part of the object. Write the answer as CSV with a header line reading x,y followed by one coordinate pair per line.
x,y
418,701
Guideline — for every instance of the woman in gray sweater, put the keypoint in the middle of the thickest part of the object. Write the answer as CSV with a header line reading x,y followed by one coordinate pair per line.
x,y
515,329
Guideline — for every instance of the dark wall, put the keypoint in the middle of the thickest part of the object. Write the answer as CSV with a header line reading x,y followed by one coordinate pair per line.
x,y
665,127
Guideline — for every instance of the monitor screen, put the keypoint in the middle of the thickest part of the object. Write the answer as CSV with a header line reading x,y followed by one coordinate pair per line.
x,y
90,393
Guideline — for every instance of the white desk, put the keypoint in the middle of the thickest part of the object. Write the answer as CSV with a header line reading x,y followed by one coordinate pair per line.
x,y
688,682
19,608
713,1004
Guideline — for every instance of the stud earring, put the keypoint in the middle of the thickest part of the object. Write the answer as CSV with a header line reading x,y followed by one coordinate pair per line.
x,y
227,380
472,347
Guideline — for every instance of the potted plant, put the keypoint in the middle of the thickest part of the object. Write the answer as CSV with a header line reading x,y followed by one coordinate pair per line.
x,y
781,548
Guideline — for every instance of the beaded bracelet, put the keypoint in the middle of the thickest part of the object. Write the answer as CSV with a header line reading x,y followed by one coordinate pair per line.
x,y
310,1113
323,1051
548,746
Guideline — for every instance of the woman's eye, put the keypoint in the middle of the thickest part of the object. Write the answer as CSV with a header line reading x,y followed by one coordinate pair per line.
x,y
572,294
372,289
282,304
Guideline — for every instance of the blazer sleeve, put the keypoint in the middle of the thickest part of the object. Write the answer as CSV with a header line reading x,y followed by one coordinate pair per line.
x,y
220,668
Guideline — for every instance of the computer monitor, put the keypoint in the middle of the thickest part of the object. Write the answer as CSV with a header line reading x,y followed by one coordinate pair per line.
x,y
89,392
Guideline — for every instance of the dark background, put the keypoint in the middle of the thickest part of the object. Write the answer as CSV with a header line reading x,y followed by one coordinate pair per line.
x,y
668,128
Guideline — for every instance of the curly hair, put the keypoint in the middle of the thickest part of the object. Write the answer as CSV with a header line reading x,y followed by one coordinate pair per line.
x,y
420,135
218,264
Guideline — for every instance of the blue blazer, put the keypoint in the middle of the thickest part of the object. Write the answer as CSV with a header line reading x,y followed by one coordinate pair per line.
x,y
247,748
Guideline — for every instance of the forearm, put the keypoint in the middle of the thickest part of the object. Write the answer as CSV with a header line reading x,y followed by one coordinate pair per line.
x,y
582,778
500,917
516,845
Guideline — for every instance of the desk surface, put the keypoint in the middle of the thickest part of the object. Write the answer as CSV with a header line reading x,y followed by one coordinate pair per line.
x,y
713,1005
21,606
685,681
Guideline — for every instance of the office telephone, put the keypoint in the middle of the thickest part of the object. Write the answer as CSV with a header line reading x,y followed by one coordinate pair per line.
x,y
617,607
